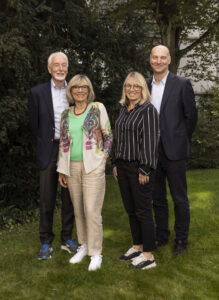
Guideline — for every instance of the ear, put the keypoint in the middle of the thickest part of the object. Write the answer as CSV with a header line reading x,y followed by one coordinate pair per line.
x,y
169,60
49,69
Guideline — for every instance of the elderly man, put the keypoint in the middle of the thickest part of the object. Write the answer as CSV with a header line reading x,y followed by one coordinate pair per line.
x,y
46,103
174,100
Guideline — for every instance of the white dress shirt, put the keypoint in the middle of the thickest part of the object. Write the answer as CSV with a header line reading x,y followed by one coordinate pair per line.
x,y
157,92
60,103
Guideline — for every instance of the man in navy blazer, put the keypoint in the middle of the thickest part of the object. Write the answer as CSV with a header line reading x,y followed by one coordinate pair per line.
x,y
174,100
46,103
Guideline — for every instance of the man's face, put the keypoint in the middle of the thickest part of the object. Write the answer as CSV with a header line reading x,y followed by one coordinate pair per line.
x,y
58,68
160,60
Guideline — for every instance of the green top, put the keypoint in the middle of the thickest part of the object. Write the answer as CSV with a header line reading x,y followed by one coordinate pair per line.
x,y
76,133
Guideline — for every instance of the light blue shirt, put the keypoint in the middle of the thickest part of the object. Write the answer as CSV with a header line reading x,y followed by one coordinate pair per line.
x,y
59,104
157,92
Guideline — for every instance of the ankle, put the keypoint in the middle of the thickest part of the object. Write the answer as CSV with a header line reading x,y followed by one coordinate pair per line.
x,y
148,255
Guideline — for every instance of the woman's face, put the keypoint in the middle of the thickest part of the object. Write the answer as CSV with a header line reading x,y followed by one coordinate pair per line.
x,y
133,90
80,92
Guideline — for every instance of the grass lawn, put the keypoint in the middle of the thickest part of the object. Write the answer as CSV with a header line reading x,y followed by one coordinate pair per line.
x,y
193,275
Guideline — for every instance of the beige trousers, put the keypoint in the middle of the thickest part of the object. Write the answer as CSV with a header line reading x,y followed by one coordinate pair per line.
x,y
87,194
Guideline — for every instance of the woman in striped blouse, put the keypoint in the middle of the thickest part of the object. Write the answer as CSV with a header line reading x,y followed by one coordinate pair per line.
x,y
134,160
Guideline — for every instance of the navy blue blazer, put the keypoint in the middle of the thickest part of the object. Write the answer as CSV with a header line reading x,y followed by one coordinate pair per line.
x,y
42,122
178,116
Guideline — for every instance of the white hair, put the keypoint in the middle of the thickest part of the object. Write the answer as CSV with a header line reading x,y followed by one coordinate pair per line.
x,y
55,53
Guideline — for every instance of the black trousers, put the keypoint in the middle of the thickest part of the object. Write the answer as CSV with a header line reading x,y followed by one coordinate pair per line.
x,y
48,189
175,173
137,200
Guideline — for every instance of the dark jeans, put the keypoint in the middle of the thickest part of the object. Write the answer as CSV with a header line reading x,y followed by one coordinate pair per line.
x,y
48,189
175,172
137,201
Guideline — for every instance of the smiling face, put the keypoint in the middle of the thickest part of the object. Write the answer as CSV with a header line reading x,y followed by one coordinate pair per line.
x,y
160,60
58,68
80,92
133,90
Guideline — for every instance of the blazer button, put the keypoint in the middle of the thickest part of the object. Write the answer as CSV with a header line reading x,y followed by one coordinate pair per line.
x,y
52,140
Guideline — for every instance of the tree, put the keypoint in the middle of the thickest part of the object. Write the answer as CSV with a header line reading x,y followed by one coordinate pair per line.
x,y
173,23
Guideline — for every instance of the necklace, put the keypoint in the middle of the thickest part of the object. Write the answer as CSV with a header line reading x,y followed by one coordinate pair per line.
x,y
81,112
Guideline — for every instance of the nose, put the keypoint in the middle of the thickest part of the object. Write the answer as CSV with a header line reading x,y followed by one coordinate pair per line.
x,y
158,60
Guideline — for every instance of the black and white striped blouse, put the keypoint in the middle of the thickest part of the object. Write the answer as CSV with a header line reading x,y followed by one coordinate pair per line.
x,y
136,136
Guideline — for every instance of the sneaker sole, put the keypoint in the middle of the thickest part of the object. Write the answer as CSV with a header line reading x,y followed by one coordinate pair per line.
x,y
150,266
76,262
49,257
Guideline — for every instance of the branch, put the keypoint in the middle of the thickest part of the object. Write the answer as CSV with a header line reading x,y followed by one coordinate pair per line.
x,y
184,51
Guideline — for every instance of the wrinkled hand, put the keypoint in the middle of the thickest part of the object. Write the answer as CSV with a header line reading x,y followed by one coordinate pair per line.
x,y
143,179
115,173
62,180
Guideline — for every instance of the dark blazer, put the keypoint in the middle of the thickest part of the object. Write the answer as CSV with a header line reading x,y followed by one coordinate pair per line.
x,y
42,122
178,116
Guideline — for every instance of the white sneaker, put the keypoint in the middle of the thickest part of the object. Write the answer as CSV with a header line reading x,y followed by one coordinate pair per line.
x,y
130,254
140,262
80,255
95,263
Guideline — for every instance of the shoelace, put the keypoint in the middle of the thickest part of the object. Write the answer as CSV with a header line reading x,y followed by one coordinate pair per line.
x,y
70,242
45,247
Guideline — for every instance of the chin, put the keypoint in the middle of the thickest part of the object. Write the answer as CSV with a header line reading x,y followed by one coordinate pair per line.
x,y
60,78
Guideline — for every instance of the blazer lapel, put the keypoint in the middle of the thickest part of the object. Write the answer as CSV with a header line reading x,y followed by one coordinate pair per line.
x,y
149,84
167,90
48,100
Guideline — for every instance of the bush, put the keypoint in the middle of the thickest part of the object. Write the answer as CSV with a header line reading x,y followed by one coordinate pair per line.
x,y
205,141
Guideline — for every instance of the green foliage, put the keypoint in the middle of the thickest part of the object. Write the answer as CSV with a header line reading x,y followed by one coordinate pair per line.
x,y
205,141
193,275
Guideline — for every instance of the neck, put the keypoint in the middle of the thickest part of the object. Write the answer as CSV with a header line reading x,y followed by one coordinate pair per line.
x,y
132,104
80,105
159,76
59,84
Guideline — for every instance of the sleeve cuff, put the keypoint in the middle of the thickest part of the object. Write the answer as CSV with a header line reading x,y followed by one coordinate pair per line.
x,y
144,170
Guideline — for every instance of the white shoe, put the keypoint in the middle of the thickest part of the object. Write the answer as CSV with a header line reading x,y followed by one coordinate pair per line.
x,y
95,263
80,255
141,262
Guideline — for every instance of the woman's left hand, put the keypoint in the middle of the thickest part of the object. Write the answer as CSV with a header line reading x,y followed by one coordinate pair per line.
x,y
62,180
143,179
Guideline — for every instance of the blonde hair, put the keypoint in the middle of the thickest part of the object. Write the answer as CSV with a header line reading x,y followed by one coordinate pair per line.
x,y
145,94
78,79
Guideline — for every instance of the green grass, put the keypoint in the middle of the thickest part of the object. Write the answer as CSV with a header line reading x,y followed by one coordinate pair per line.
x,y
193,275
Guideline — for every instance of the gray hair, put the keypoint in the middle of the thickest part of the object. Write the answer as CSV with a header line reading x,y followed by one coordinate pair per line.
x,y
54,54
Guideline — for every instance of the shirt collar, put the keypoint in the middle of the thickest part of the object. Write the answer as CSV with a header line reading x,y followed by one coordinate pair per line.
x,y
54,85
163,81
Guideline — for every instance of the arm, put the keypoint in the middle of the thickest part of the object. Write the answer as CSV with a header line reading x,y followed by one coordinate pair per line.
x,y
149,144
33,113
106,131
190,111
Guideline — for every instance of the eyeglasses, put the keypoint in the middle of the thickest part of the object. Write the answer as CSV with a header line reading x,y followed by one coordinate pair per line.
x,y
82,87
134,86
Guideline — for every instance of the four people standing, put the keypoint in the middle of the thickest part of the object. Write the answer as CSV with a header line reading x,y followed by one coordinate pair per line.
x,y
174,100
46,103
85,144
85,139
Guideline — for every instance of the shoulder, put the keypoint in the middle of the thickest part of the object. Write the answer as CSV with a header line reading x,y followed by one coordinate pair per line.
x,y
40,87
98,105
178,78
